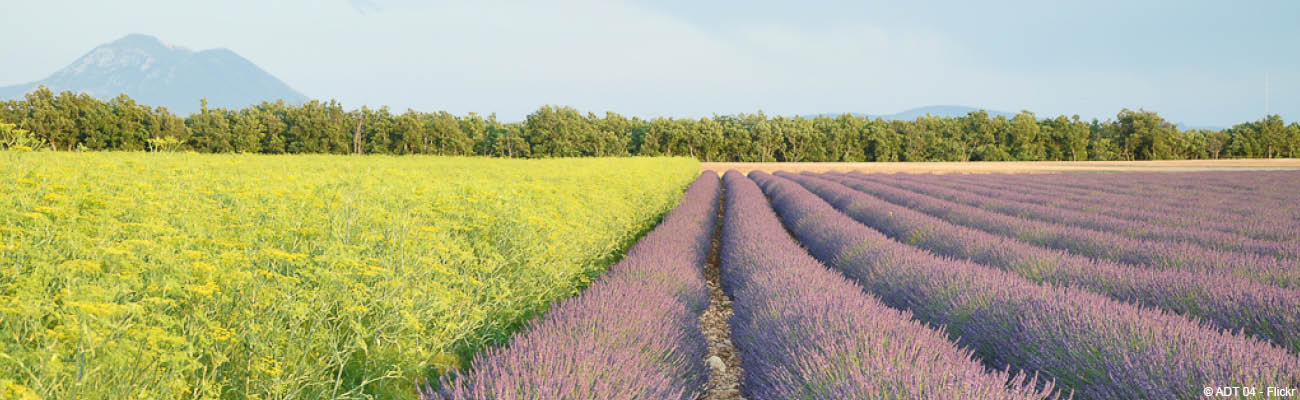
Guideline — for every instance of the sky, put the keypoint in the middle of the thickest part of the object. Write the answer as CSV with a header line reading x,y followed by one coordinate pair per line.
x,y
1200,63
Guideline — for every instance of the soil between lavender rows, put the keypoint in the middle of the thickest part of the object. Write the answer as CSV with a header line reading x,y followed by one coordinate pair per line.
x,y
724,383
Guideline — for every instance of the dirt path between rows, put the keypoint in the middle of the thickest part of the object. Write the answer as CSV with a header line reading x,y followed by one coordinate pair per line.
x,y
725,373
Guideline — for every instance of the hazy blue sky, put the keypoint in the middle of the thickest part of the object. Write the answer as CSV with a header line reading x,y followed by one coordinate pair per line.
x,y
1196,62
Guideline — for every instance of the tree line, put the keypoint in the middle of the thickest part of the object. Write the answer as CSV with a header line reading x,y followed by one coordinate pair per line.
x,y
77,121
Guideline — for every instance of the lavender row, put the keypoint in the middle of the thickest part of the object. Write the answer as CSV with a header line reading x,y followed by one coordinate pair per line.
x,y
1272,199
1236,214
1088,243
1083,240
1264,186
1244,219
1097,222
633,333
1235,304
1271,185
1260,227
1221,197
804,331
1210,194
1095,346
1250,220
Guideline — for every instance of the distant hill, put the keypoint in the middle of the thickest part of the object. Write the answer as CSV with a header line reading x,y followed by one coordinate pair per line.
x,y
1202,127
942,111
158,74
936,111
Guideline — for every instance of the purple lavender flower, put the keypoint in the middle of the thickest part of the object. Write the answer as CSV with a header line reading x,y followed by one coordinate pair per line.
x,y
1088,243
1097,347
804,331
1231,303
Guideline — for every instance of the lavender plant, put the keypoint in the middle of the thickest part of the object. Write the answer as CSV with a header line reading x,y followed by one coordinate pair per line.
x,y
1235,304
1088,243
1211,239
1198,213
805,332
1092,345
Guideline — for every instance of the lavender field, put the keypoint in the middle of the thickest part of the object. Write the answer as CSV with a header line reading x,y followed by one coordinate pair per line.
x,y
1166,285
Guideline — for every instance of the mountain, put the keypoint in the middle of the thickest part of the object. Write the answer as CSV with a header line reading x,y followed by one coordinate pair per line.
x,y
159,74
936,111
942,111
1184,127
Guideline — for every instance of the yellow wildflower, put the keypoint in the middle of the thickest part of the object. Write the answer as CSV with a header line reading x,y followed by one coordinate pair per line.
x,y
267,366
116,251
204,290
11,390
97,308
221,334
203,267
84,266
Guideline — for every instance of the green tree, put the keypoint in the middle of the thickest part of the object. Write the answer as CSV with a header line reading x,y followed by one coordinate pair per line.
x,y
476,128
556,131
210,130
447,137
412,134
1067,138
712,140
1023,141
883,143
977,134
509,141
1266,138
1143,135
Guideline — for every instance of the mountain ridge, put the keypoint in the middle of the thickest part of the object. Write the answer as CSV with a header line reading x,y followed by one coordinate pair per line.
x,y
159,74
932,110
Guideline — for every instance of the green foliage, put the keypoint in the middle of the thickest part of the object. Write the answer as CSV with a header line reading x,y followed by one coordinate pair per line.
x,y
168,144
68,120
169,276
20,140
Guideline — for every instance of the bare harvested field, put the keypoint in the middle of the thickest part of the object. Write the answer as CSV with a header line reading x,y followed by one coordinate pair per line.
x,y
1012,166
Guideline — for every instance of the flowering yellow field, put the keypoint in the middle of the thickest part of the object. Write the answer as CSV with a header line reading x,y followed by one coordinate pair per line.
x,y
138,275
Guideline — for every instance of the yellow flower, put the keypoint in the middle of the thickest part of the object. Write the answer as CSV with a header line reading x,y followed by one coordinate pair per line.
x,y
204,290
166,258
97,308
11,390
116,251
159,301
84,266
203,267
221,334
284,255
267,366
372,271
